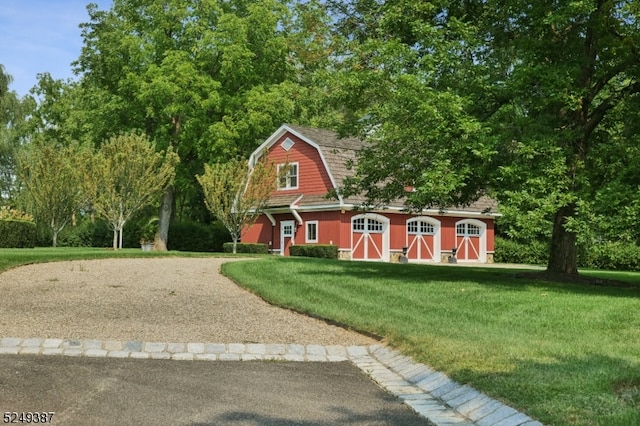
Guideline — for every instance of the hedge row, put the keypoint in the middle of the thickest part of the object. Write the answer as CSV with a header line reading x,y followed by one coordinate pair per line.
x,y
246,248
510,251
326,251
17,234
606,255
194,236
183,235
612,256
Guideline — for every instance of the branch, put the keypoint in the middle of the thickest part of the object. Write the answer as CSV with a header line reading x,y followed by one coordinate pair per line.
x,y
601,110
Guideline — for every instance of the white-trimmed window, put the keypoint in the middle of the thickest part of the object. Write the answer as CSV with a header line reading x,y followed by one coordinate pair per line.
x,y
287,144
374,225
311,235
368,224
467,230
420,227
288,176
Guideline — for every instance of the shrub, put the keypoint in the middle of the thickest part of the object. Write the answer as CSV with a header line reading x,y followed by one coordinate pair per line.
x,y
17,234
605,255
533,252
219,236
246,248
612,255
325,251
195,236
17,229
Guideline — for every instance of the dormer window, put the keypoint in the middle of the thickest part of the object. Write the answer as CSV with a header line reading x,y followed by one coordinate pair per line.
x,y
288,176
287,144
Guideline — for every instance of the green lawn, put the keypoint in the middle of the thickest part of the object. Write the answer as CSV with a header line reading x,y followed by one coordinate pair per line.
x,y
565,354
10,258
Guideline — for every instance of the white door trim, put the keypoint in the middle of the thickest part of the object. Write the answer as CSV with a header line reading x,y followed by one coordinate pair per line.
x,y
288,225
383,251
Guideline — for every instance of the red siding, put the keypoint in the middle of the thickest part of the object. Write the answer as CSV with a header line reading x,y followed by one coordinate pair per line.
x,y
313,178
259,232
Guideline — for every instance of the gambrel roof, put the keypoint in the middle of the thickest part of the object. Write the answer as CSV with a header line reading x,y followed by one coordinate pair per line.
x,y
336,153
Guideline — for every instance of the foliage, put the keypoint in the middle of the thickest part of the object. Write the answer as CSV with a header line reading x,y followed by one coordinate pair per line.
x,y
257,248
210,79
52,176
126,174
606,255
7,213
17,229
529,102
194,236
236,192
148,231
12,114
615,256
548,349
326,251
533,252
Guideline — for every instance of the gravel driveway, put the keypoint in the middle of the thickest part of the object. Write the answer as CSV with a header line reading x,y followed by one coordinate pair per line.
x,y
159,299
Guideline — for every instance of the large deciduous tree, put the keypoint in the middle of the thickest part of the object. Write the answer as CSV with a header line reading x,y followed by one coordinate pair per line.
x,y
236,192
570,71
519,100
126,174
211,79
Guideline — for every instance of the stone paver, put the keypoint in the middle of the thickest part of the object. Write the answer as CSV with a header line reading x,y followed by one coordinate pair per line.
x,y
429,393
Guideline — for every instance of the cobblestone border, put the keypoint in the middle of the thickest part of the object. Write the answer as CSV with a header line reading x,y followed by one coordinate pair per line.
x,y
429,393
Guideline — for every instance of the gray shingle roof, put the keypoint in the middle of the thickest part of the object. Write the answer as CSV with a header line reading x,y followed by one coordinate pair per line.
x,y
338,152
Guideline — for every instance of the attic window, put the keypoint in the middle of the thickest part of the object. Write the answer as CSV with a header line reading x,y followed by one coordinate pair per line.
x,y
287,144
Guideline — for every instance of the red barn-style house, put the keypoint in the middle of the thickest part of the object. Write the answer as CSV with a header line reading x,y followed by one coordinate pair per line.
x,y
314,162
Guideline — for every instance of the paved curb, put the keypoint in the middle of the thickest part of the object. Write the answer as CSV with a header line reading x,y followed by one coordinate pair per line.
x,y
429,393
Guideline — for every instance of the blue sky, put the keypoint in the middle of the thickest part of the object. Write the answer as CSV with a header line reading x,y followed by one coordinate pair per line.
x,y
38,36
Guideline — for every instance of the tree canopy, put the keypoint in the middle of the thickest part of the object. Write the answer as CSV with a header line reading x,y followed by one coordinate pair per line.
x,y
126,174
521,101
210,79
236,192
52,176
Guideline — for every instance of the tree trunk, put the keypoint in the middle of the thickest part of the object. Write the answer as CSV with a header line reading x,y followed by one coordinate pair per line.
x,y
166,211
115,239
563,257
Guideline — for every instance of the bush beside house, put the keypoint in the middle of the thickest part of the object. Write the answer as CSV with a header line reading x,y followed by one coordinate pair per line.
x,y
326,251
255,248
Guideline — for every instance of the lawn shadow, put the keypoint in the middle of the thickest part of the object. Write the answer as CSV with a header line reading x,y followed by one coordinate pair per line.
x,y
561,388
511,279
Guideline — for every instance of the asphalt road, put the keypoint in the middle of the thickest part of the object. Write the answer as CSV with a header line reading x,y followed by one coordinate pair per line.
x,y
108,391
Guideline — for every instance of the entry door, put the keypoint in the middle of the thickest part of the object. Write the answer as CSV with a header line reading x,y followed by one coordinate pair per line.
x,y
287,231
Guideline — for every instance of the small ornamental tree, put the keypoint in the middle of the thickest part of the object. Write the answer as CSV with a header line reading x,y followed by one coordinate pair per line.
x,y
237,193
50,174
125,175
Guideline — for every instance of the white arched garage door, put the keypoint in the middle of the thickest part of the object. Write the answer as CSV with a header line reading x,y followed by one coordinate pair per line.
x,y
471,240
370,237
423,239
